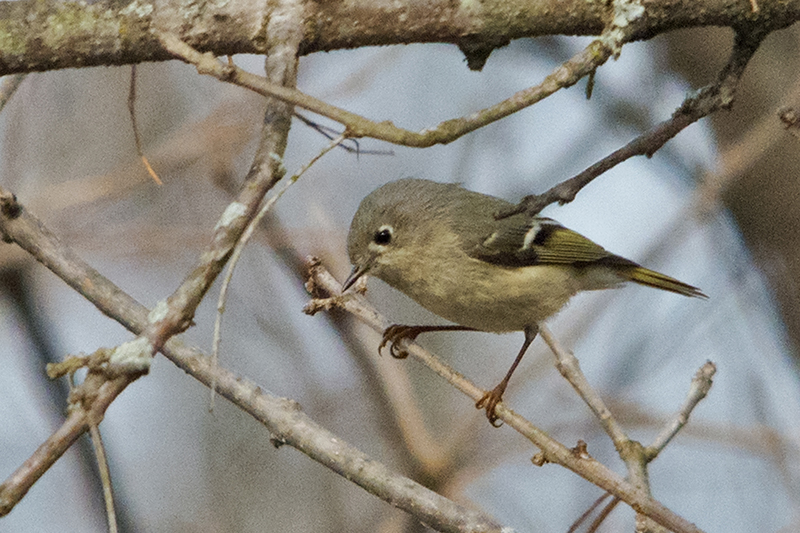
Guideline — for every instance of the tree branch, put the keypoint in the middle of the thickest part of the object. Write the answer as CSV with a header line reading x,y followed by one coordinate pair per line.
x,y
327,294
569,367
701,384
175,314
709,99
448,131
38,36
283,417
635,456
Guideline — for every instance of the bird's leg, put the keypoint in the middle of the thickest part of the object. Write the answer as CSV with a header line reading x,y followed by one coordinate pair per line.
x,y
398,332
490,400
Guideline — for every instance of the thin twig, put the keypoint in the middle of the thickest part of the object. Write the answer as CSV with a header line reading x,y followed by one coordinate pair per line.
x,y
103,392
266,170
630,451
701,384
134,122
331,134
610,506
587,513
240,245
105,476
566,75
708,100
635,456
569,367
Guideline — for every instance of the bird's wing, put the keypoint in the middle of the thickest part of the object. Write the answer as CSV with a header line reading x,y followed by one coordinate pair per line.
x,y
525,241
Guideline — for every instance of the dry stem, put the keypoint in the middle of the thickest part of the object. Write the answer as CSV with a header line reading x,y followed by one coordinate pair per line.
x,y
327,293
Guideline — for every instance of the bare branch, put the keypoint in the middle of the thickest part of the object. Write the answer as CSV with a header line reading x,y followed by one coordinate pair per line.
x,y
585,516
701,384
284,35
51,35
102,393
292,28
327,293
630,451
242,243
287,423
708,100
284,419
569,367
635,456
564,76
105,476
175,315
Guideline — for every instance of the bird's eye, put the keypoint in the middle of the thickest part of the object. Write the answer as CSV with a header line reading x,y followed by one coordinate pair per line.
x,y
383,236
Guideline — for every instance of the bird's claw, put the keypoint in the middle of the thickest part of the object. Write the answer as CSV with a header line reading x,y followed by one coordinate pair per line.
x,y
489,402
394,334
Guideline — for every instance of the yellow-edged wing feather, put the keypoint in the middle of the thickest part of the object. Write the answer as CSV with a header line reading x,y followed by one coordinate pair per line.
x,y
522,242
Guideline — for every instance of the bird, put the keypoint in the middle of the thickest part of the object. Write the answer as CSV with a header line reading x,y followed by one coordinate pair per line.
x,y
446,248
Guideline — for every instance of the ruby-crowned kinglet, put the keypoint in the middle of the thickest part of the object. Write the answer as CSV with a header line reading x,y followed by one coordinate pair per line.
x,y
441,245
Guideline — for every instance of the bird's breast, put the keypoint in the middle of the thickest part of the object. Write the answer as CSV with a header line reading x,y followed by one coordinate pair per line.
x,y
493,298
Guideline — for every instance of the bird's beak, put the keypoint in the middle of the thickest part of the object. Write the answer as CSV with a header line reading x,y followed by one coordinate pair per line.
x,y
357,272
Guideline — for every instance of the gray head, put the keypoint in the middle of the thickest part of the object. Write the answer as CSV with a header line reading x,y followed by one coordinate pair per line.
x,y
392,222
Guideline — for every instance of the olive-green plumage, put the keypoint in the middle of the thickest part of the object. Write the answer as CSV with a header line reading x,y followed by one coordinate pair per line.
x,y
445,250
441,245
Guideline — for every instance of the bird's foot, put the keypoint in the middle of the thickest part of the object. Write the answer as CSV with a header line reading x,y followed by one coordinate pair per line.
x,y
396,333
489,402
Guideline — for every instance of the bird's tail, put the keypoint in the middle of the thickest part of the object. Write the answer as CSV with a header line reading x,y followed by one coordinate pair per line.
x,y
651,278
